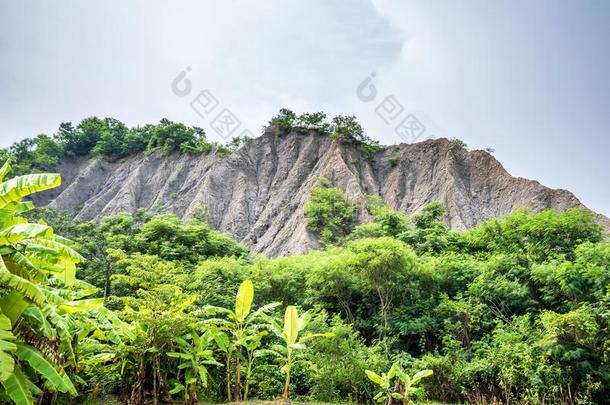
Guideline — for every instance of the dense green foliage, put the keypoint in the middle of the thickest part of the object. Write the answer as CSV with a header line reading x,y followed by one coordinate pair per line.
x,y
515,310
344,129
328,213
164,236
109,139
42,311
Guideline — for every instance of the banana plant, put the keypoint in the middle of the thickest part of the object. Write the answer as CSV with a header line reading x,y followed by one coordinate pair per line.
x,y
195,355
404,387
241,331
289,334
251,345
36,266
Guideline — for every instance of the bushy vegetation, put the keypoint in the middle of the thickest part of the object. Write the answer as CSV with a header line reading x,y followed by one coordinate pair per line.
x,y
401,308
344,129
328,213
109,139
394,156
459,143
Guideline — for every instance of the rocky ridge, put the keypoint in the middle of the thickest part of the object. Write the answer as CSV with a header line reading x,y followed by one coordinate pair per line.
x,y
257,193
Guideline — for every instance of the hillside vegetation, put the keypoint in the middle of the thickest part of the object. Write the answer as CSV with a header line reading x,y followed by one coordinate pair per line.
x,y
110,139
153,309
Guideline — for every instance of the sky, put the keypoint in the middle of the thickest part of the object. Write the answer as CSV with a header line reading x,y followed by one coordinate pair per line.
x,y
527,79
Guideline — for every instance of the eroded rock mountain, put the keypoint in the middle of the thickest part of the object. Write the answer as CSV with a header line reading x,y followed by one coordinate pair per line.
x,y
257,193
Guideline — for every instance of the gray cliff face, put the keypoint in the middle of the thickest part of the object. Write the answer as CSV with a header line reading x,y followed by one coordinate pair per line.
x,y
257,193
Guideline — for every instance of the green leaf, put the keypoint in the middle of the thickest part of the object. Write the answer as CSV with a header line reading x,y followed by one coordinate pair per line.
x,y
18,232
38,320
86,305
7,347
222,341
397,395
314,335
265,308
304,320
203,377
177,388
13,282
376,378
6,169
37,361
56,246
422,374
13,305
17,388
68,275
392,371
243,301
24,206
24,261
185,356
18,187
291,325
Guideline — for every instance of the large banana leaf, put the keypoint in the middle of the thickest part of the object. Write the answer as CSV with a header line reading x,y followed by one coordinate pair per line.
x,y
70,307
38,321
65,241
304,320
63,326
243,302
291,325
55,246
43,265
68,274
24,206
24,262
36,360
6,168
114,325
7,217
18,232
12,305
422,374
7,363
18,388
17,188
13,282
377,379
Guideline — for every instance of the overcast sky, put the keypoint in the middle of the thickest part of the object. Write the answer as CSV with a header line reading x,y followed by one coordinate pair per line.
x,y
529,79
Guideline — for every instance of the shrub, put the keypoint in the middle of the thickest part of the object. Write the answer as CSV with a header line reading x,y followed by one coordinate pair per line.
x,y
328,213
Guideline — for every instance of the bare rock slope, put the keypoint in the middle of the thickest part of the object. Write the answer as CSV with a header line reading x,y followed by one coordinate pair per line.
x,y
257,193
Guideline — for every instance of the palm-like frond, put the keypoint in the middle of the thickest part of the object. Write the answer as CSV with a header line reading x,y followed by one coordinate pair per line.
x,y
18,187
18,232
55,246
7,347
36,360
13,282
18,388
41,305
12,305
6,168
